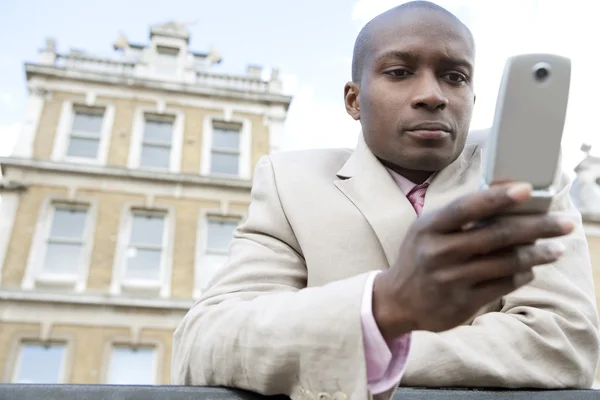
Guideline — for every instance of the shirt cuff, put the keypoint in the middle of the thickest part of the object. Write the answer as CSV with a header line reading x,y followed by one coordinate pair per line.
x,y
386,360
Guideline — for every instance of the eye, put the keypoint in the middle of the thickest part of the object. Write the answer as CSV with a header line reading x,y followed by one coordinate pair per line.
x,y
456,77
398,72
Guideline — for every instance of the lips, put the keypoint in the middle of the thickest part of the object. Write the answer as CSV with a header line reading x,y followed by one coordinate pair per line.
x,y
429,126
429,131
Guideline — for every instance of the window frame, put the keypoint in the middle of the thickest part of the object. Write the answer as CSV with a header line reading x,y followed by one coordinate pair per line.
x,y
34,270
37,336
162,285
201,253
129,341
137,139
65,129
245,151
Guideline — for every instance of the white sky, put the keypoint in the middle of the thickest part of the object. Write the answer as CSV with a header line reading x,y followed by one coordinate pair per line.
x,y
501,28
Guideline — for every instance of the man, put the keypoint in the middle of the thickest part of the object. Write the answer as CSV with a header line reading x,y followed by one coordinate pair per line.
x,y
359,271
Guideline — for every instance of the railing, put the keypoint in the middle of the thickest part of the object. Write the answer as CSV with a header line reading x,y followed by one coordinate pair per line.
x,y
83,62
102,392
94,64
234,82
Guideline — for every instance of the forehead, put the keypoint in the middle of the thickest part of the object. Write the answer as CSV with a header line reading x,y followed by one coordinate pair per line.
x,y
424,32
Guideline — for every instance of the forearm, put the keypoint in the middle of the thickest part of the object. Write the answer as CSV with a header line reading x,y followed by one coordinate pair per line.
x,y
276,343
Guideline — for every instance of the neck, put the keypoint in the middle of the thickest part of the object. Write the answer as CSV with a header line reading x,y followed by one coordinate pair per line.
x,y
412,175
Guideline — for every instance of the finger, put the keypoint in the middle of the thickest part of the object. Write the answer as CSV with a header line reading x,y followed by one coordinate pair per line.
x,y
503,264
479,206
508,231
489,291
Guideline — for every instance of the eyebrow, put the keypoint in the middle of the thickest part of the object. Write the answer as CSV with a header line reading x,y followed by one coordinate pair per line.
x,y
413,57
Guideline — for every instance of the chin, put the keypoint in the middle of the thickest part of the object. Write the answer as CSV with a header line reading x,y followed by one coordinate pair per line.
x,y
426,161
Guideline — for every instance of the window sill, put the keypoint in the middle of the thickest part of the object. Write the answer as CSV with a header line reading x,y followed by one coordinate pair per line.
x,y
56,279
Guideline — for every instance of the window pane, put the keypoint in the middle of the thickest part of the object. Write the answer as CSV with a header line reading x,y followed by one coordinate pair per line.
x,y
85,148
143,264
40,364
147,229
219,234
62,258
158,130
131,367
87,122
155,156
68,223
226,138
222,163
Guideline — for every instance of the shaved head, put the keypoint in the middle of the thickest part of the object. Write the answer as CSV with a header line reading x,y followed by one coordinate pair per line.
x,y
365,37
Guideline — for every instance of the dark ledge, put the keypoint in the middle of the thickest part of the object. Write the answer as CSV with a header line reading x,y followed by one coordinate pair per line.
x,y
106,392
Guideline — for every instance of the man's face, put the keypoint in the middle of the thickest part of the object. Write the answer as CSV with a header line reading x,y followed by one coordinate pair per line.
x,y
416,97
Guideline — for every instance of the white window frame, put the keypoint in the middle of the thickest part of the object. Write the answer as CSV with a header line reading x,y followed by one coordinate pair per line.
x,y
34,273
245,161
200,282
13,360
135,150
63,133
163,284
126,341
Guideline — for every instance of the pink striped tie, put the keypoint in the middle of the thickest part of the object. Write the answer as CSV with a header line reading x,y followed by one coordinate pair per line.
x,y
417,197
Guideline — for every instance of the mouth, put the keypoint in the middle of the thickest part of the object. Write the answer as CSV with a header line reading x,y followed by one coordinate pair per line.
x,y
429,131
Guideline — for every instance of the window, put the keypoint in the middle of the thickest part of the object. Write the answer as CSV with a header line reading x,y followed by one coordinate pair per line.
x,y
86,132
65,241
157,141
144,253
217,237
131,366
38,363
225,149
166,60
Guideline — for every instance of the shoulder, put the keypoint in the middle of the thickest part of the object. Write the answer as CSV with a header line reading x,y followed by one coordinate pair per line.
x,y
323,162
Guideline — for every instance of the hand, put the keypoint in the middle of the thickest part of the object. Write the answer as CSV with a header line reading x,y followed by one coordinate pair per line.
x,y
446,272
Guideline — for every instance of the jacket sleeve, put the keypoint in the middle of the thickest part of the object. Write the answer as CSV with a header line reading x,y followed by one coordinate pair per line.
x,y
259,328
545,335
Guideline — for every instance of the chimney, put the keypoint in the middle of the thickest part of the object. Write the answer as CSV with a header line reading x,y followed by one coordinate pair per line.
x,y
254,71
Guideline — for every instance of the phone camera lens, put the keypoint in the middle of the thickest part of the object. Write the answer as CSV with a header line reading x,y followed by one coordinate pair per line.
x,y
541,72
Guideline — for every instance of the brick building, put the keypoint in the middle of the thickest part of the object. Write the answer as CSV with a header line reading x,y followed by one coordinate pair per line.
x,y
119,202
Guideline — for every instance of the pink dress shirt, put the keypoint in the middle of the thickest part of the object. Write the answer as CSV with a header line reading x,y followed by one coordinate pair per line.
x,y
386,360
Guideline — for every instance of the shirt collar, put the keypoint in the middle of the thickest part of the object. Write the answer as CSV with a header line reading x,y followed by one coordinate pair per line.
x,y
404,184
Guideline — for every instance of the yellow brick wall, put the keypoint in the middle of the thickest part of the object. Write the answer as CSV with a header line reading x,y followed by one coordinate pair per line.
x,y
122,129
191,154
106,235
9,335
24,227
48,124
121,135
88,352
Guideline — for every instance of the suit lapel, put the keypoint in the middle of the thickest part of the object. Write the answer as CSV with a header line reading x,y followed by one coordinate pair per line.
x,y
370,187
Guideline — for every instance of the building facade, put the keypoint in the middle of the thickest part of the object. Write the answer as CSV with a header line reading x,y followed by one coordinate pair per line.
x,y
119,203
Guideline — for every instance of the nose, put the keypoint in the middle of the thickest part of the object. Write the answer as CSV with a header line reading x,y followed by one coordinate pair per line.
x,y
428,94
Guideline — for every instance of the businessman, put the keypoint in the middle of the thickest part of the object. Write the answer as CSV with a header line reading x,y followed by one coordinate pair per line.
x,y
359,271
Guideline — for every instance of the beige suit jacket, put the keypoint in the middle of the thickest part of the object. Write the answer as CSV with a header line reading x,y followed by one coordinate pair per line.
x,y
283,315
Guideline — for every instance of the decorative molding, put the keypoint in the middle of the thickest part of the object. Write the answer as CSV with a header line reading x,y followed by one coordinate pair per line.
x,y
121,173
153,84
100,300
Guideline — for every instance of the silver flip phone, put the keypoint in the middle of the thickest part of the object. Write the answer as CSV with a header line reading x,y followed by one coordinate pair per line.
x,y
525,139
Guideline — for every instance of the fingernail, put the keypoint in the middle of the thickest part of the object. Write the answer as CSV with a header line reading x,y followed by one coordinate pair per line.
x,y
566,224
522,278
557,249
520,191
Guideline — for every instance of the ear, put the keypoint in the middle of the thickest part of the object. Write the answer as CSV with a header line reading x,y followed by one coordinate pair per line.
x,y
351,91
